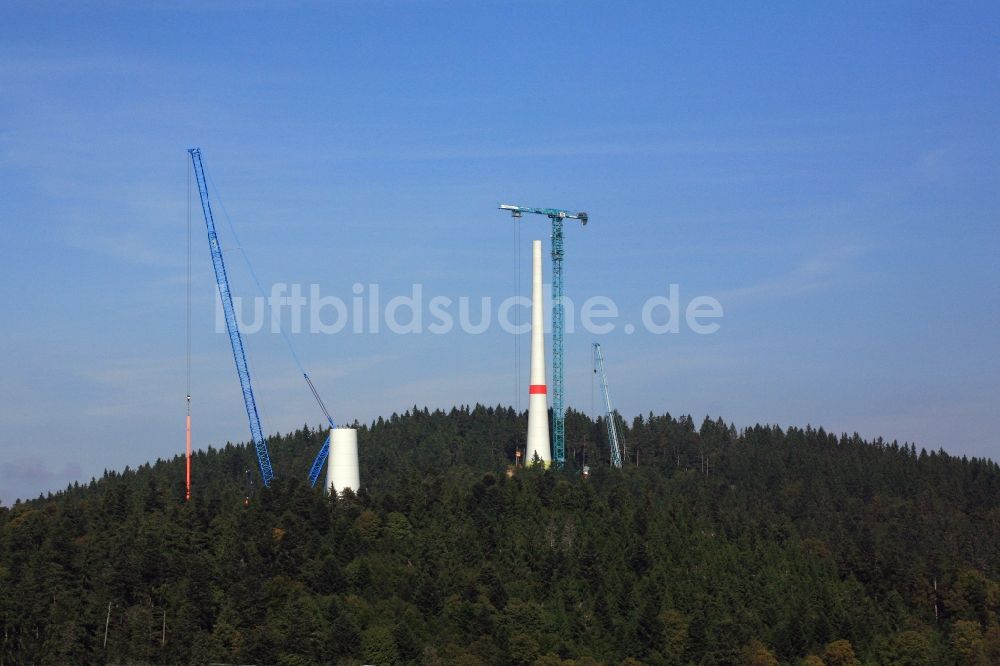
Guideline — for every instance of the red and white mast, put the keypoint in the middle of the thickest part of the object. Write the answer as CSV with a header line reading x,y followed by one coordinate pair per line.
x,y
538,404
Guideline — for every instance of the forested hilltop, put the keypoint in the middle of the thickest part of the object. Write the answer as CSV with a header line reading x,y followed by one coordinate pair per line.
x,y
763,546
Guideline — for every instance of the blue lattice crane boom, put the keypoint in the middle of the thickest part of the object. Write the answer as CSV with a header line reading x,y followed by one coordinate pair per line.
x,y
235,338
615,441
558,216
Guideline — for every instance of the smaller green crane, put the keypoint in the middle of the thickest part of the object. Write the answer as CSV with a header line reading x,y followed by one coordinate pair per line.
x,y
615,441
558,324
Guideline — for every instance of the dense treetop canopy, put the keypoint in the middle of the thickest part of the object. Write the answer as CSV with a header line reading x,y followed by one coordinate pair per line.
x,y
761,546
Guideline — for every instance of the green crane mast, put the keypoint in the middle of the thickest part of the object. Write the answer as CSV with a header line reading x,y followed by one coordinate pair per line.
x,y
558,324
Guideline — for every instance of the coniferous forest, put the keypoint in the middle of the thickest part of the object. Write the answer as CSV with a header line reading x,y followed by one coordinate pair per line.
x,y
761,546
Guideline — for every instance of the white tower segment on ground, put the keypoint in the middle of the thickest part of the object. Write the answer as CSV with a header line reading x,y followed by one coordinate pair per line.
x,y
342,464
538,404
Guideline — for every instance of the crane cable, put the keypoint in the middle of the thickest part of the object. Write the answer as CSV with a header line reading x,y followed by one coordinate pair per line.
x,y
187,427
517,318
247,351
260,289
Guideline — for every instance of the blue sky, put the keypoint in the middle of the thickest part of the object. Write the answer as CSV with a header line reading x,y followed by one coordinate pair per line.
x,y
828,172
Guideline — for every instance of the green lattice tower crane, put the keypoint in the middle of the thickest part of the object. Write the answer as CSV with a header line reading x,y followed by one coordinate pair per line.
x,y
558,324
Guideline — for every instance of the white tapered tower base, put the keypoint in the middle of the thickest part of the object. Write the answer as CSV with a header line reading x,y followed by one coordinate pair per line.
x,y
538,430
342,464
539,446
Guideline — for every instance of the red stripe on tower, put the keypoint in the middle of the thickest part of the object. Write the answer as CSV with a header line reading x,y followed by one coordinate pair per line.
x,y
537,388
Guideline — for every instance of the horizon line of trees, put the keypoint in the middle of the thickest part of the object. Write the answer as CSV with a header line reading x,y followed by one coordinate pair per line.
x,y
764,545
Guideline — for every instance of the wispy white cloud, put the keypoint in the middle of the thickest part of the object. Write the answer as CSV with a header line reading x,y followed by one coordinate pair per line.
x,y
34,471
937,165
30,66
595,146
130,246
821,271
